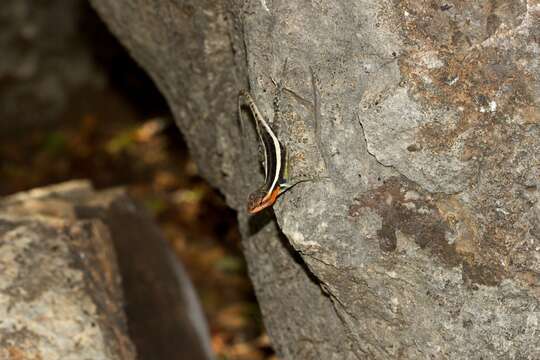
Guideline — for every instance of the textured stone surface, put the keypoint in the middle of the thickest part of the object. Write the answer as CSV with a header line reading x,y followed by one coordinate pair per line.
x,y
424,241
164,316
60,293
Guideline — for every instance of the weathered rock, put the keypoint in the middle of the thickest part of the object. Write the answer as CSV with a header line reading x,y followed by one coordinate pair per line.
x,y
165,319
424,242
60,294
60,289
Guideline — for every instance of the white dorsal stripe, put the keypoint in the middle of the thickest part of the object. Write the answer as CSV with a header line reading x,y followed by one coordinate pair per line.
x,y
275,141
277,149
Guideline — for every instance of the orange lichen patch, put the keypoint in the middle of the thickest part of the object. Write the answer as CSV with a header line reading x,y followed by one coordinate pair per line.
x,y
470,244
298,157
460,220
531,279
15,353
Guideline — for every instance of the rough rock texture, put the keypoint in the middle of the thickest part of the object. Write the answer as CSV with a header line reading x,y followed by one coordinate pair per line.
x,y
164,316
45,60
60,291
60,294
424,241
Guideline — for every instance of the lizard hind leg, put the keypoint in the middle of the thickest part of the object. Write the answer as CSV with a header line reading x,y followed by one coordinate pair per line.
x,y
287,183
290,183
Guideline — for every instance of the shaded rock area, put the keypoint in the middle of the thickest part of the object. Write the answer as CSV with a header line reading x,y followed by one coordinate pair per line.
x,y
423,241
46,61
61,293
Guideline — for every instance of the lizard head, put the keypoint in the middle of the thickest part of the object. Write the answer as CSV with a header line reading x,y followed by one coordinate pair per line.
x,y
261,199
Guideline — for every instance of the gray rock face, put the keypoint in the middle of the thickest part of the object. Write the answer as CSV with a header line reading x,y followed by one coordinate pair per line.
x,y
45,60
60,293
423,242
